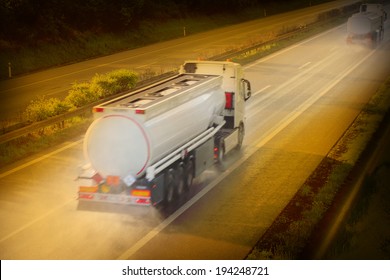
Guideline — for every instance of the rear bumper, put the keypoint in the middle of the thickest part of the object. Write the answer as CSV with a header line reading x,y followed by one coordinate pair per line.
x,y
114,198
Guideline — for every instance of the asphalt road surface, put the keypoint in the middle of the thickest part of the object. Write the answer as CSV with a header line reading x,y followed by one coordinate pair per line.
x,y
16,93
304,98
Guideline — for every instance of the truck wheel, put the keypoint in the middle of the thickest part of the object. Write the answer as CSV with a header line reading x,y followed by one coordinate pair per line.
x,y
188,174
169,189
221,151
180,180
241,134
375,40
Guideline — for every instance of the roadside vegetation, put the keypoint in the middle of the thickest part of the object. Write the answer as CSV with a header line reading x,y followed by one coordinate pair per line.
x,y
43,140
82,94
35,35
366,234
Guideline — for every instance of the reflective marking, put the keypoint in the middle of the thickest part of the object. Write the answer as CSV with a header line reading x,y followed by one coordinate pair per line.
x,y
261,90
268,57
304,65
293,115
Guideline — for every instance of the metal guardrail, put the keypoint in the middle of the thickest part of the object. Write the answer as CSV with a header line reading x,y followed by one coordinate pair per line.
x,y
8,136
80,111
39,125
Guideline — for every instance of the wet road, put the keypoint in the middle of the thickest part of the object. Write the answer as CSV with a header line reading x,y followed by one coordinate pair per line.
x,y
304,98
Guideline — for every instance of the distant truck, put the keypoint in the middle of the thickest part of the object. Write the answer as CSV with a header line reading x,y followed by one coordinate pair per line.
x,y
367,26
147,146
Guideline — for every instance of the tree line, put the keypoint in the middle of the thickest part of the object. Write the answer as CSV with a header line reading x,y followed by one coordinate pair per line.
x,y
27,21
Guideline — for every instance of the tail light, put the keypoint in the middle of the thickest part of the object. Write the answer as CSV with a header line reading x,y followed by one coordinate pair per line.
x,y
97,110
229,100
215,153
140,193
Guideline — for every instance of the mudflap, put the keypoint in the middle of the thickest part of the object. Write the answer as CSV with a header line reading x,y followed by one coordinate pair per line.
x,y
157,190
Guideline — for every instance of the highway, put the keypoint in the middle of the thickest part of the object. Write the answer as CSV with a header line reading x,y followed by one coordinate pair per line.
x,y
16,93
304,98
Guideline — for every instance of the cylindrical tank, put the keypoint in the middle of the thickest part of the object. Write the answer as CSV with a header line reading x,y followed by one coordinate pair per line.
x,y
122,144
363,23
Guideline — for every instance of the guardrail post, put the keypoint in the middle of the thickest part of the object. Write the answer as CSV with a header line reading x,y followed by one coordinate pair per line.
x,y
265,12
184,31
9,70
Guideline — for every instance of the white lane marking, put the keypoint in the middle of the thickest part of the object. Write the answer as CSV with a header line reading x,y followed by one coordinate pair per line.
x,y
2,175
292,47
27,164
292,116
261,90
289,82
35,220
304,65
283,124
145,65
144,240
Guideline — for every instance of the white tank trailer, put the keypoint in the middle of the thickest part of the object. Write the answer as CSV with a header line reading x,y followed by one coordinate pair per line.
x,y
127,142
146,146
367,26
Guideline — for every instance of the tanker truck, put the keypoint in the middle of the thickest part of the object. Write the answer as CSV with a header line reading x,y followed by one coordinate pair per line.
x,y
367,26
147,146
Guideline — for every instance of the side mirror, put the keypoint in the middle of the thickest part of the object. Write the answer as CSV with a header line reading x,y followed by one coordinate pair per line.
x,y
247,89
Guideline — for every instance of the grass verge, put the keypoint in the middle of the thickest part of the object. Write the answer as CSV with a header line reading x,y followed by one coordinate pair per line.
x,y
366,234
24,58
43,139
87,45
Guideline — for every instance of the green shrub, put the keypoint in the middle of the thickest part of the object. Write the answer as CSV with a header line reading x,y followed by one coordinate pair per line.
x,y
101,85
42,108
113,82
125,79
81,95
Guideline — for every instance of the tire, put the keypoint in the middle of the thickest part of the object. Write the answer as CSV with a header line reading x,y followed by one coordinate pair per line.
x,y
241,134
189,169
221,151
169,190
382,34
375,40
180,187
